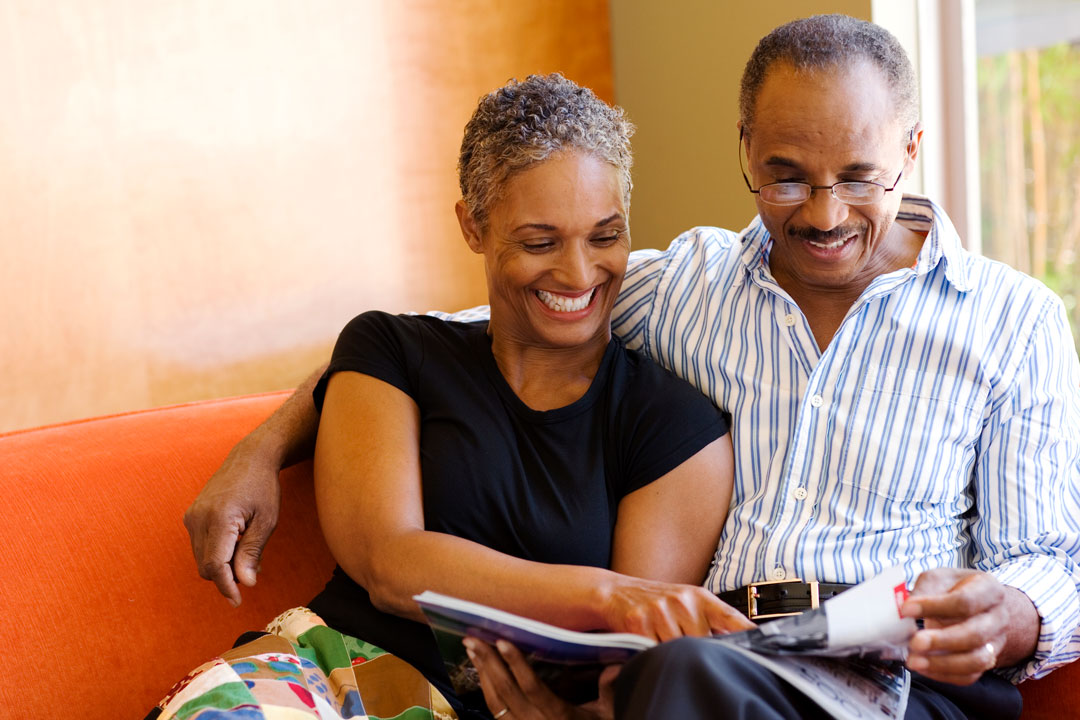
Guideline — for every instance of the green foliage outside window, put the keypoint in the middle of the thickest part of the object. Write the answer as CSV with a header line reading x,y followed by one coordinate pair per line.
x,y
1029,142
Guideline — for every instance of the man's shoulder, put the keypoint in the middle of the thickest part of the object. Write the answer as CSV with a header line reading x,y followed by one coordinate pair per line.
x,y
995,279
971,272
707,238
701,246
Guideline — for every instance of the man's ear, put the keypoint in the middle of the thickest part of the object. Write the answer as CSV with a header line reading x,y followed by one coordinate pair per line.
x,y
914,142
470,230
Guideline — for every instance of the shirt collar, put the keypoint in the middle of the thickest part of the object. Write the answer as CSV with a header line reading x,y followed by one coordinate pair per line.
x,y
916,213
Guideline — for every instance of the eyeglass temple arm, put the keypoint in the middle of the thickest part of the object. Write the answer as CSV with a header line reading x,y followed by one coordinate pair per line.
x,y
745,179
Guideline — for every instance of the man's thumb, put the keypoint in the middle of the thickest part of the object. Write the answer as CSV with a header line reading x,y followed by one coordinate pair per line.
x,y
247,558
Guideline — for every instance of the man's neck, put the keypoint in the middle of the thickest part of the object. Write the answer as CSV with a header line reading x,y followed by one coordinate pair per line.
x,y
826,307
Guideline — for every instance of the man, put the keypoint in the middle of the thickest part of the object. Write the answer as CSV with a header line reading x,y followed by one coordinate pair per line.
x,y
895,400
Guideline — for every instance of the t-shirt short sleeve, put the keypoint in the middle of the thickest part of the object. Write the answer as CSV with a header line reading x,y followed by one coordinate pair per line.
x,y
664,421
376,344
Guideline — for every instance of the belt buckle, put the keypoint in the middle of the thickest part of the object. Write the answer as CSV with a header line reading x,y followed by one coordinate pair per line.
x,y
752,598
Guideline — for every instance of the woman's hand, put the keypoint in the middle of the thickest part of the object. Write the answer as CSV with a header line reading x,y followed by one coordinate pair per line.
x,y
664,611
513,692
667,533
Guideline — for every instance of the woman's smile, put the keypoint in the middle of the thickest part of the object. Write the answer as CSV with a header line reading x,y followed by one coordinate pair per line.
x,y
566,303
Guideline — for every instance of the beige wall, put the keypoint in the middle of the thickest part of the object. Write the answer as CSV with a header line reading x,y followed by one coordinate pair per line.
x,y
196,195
677,69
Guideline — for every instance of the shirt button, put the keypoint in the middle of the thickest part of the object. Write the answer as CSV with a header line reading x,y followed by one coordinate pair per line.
x,y
778,574
800,493
817,401
789,320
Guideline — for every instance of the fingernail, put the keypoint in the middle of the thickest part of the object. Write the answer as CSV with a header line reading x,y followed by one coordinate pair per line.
x,y
917,662
469,644
503,646
919,641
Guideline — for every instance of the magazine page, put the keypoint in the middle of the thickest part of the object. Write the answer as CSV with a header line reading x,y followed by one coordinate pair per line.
x,y
862,624
864,620
849,689
847,655
867,618
569,662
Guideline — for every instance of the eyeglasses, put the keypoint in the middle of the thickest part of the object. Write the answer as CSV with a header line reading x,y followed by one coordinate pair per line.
x,y
796,193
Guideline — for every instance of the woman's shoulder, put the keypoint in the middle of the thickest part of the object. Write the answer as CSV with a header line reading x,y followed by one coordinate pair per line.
x,y
409,324
645,386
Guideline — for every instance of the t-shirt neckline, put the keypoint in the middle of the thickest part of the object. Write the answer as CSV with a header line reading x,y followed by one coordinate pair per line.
x,y
582,404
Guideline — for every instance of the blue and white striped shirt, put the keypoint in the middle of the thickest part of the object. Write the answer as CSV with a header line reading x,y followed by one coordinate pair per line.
x,y
940,427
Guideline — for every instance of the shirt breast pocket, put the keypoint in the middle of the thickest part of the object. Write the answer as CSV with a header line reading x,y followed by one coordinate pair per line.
x,y
914,435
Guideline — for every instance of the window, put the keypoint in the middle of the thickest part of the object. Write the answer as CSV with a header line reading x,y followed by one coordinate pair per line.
x,y
1028,84
1000,86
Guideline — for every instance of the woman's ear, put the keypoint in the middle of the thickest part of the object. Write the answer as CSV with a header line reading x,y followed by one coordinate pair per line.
x,y
470,230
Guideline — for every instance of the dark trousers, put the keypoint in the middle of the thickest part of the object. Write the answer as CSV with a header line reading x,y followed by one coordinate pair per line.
x,y
692,678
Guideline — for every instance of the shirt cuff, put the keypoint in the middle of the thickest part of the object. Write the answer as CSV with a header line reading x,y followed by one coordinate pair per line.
x,y
1053,591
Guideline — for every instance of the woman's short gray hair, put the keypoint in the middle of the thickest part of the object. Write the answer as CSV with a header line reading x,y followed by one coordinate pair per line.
x,y
523,123
824,41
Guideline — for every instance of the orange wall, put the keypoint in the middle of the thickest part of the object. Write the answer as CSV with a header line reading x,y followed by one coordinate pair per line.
x,y
195,196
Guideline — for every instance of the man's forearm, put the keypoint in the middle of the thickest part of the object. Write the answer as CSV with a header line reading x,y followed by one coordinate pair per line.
x,y
288,436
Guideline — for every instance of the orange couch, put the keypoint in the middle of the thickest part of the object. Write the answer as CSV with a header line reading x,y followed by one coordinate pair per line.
x,y
104,609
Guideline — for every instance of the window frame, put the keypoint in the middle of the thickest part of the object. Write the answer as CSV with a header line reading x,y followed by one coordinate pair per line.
x,y
939,36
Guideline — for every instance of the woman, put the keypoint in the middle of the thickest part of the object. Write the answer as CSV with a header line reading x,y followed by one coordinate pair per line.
x,y
531,463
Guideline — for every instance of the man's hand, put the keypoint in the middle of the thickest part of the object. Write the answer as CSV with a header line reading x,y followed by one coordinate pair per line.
x,y
513,692
237,510
231,520
972,623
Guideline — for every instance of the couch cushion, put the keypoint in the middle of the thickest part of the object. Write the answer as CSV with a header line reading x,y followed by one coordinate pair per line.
x,y
98,580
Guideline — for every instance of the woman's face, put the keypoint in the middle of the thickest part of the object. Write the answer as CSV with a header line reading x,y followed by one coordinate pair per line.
x,y
555,251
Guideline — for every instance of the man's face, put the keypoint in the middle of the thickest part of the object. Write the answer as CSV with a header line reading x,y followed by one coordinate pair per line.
x,y
823,127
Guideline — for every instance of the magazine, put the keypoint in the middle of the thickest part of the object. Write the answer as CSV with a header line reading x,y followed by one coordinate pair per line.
x,y
846,655
569,662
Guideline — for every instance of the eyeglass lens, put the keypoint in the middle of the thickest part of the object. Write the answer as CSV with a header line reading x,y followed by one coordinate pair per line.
x,y
855,193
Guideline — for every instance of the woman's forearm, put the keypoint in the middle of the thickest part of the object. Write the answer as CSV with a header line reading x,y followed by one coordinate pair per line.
x,y
569,596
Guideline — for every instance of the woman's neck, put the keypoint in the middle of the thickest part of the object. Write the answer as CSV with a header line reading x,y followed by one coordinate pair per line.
x,y
548,378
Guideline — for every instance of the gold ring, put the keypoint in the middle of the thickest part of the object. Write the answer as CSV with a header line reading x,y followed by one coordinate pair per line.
x,y
501,713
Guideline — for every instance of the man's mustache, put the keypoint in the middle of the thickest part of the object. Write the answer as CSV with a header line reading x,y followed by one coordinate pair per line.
x,y
824,236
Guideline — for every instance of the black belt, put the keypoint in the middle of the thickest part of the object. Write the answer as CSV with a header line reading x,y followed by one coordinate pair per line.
x,y
778,598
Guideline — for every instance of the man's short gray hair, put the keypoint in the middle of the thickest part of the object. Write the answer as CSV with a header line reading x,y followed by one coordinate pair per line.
x,y
523,123
824,41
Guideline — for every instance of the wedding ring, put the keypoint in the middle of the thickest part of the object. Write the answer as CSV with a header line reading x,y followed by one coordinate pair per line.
x,y
506,710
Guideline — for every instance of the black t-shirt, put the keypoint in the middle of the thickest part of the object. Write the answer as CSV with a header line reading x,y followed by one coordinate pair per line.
x,y
539,485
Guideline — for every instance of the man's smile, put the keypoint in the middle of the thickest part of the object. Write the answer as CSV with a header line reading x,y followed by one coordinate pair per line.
x,y
826,244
